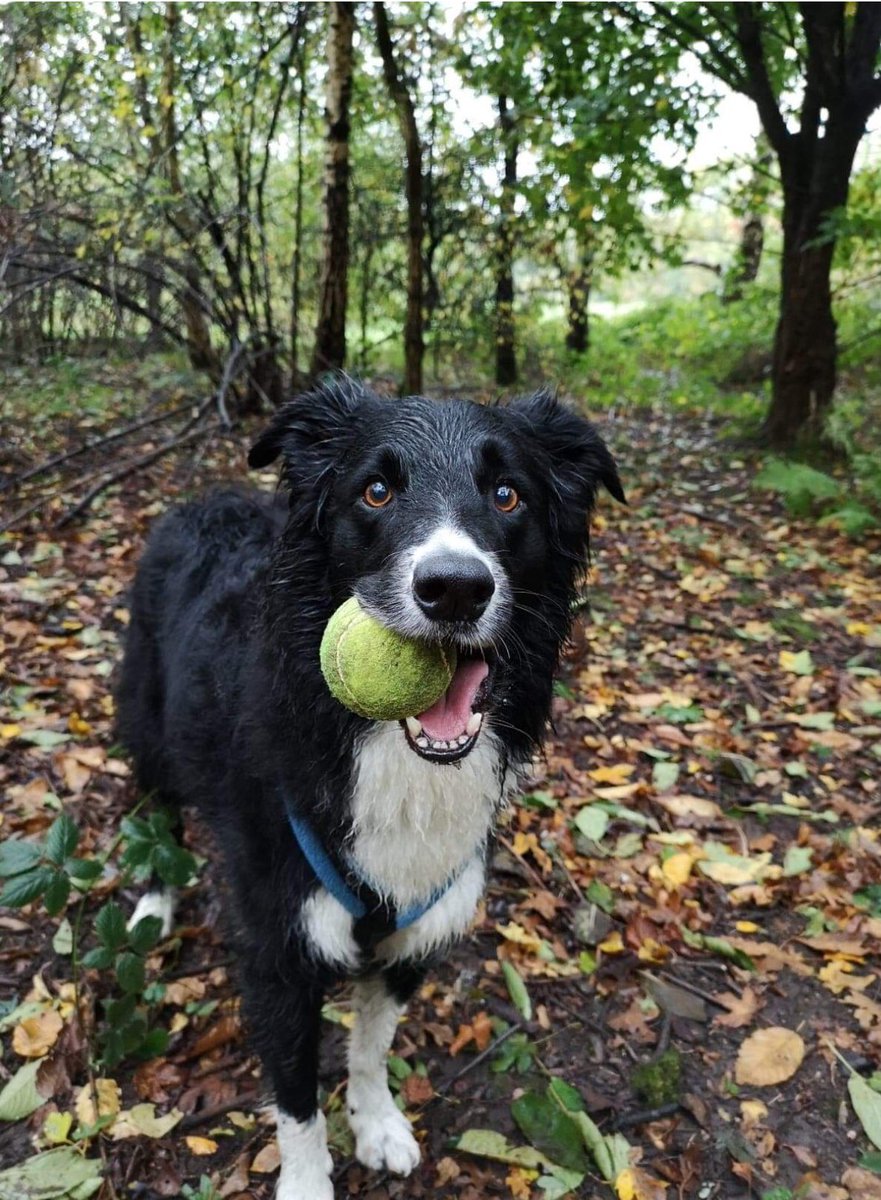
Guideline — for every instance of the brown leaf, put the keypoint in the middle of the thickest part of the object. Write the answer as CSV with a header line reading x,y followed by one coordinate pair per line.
x,y
741,1009
267,1160
416,1089
862,1184
227,1029
769,1056
157,1079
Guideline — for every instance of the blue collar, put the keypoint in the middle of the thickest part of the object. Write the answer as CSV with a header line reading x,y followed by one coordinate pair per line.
x,y
330,878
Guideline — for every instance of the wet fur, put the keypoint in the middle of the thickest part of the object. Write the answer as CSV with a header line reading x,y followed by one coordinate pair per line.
x,y
222,703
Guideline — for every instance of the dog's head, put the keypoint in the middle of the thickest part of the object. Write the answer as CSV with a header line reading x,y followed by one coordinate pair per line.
x,y
452,522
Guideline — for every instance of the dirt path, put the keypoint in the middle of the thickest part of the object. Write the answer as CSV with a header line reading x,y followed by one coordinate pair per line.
x,y
697,862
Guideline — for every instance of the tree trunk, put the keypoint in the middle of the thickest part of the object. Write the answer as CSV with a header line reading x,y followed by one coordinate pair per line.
x,y
578,334
200,351
330,333
506,359
815,184
414,347
297,256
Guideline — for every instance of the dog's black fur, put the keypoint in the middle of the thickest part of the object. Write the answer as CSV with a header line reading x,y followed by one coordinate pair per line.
x,y
222,702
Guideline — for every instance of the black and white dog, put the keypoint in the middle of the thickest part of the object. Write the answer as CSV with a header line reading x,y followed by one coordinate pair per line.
x,y
357,848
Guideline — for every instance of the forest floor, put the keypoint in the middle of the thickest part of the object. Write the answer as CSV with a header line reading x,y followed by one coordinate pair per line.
x,y
689,894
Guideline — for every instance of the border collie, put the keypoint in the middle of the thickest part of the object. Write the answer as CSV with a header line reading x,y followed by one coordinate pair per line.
x,y
356,848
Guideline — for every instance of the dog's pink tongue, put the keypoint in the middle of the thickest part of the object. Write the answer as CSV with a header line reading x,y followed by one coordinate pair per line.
x,y
446,720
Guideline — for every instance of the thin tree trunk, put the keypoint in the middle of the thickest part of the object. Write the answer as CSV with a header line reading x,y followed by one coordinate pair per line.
x,y
199,348
330,333
297,257
414,347
506,359
580,281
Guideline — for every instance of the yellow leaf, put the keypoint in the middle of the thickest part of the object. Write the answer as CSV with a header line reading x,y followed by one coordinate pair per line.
x,y
677,868
690,806
769,1056
56,1128
518,1181
746,927
752,1112
9,731
77,725
619,773
512,932
652,951
267,1160
108,1094
613,944
625,1187
36,1036
201,1145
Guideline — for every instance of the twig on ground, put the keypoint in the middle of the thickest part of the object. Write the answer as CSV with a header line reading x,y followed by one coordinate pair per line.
x,y
96,444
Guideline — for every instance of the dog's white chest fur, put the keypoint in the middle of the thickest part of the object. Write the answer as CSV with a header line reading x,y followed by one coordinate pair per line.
x,y
416,825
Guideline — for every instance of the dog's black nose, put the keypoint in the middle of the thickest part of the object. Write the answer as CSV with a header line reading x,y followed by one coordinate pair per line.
x,y
452,587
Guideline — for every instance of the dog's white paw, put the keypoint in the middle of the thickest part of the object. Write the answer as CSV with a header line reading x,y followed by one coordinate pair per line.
x,y
306,1162
155,904
384,1140
292,1185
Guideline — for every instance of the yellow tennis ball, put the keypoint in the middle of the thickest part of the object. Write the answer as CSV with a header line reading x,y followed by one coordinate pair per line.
x,y
378,673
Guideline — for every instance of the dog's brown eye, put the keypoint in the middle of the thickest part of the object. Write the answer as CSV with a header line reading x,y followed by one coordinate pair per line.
x,y
506,498
377,494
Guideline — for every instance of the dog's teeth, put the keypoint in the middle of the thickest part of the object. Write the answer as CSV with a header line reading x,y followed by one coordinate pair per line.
x,y
423,743
440,745
414,726
474,722
463,738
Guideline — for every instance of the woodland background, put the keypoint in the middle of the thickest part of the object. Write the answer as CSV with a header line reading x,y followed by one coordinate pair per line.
x,y
670,211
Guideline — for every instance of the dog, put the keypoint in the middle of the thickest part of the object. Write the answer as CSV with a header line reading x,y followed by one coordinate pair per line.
x,y
355,848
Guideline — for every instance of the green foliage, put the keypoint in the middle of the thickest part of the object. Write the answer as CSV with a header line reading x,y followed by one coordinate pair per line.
x,y
49,870
802,487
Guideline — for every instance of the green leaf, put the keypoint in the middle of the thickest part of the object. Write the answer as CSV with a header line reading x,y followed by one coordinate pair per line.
x,y
601,895
486,1143
17,856
23,889
145,934
517,990
664,775
20,1097
559,1182
83,870
871,1161
45,739
867,1106
592,821
57,893
565,1095
174,866
110,926
547,1127
154,1044
98,959
797,860
58,1174
130,972
62,942
61,840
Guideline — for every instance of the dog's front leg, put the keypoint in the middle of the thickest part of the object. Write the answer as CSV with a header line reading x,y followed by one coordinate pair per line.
x,y
383,1137
286,1021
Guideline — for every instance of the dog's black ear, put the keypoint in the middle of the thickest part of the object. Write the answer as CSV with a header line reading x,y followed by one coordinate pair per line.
x,y
311,425
579,458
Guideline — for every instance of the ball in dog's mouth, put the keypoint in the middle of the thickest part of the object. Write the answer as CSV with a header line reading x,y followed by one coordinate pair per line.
x,y
448,731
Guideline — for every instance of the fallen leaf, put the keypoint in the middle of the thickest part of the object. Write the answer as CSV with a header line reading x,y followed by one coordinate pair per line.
x,y
141,1120
108,1097
201,1146
769,1056
35,1036
741,1009
267,1160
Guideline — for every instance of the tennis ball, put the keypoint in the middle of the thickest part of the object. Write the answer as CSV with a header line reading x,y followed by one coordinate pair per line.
x,y
378,673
